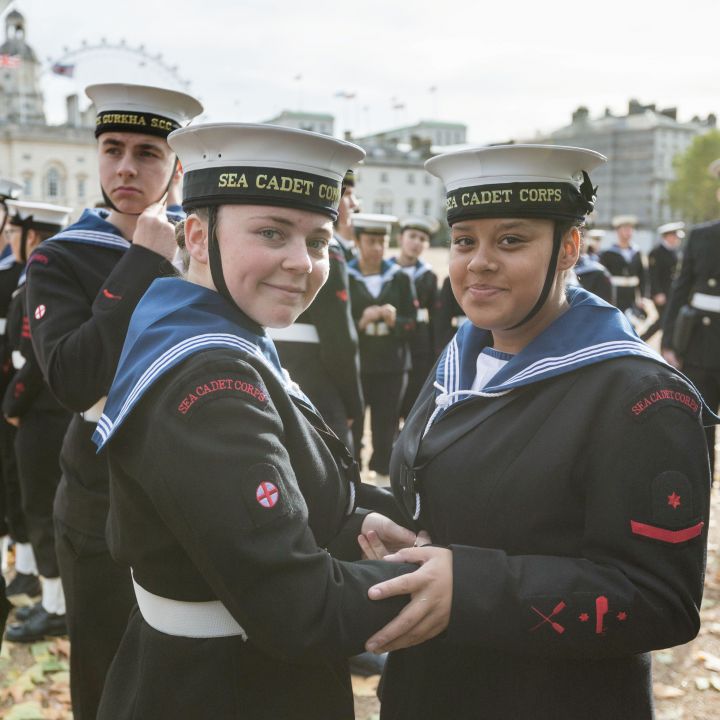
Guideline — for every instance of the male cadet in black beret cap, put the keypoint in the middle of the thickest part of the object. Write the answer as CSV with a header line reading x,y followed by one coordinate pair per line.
x,y
80,297
691,331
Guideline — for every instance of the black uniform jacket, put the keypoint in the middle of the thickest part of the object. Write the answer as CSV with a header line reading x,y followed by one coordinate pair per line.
x,y
333,364
614,260
224,486
576,509
448,316
662,269
422,342
389,353
700,272
27,388
82,286
10,272
595,278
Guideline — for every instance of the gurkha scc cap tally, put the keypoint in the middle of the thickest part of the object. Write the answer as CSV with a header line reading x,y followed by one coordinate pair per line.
x,y
123,107
525,181
239,163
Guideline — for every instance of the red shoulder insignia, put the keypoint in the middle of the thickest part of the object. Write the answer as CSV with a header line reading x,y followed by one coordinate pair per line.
x,y
215,387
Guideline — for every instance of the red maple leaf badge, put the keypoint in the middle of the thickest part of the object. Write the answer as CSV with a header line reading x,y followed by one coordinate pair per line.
x,y
622,616
584,617
674,501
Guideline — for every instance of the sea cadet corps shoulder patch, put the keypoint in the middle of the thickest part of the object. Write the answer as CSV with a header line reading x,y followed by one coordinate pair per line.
x,y
663,392
219,385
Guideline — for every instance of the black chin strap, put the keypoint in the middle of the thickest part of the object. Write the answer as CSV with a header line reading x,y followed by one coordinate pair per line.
x,y
111,205
216,269
6,212
549,277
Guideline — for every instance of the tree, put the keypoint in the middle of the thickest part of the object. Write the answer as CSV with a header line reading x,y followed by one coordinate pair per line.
x,y
693,193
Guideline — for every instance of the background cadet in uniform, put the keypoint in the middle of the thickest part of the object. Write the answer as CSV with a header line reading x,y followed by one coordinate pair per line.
x,y
25,586
320,350
80,302
624,261
558,464
594,276
692,317
414,239
41,423
229,514
663,263
384,308
349,205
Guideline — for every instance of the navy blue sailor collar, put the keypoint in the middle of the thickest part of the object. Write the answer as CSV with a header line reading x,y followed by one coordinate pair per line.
x,y
93,228
173,320
388,270
418,269
590,331
586,264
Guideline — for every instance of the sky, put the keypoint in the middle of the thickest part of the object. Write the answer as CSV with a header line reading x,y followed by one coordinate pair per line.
x,y
507,69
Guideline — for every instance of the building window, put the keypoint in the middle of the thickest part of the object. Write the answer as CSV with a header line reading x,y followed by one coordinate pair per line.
x,y
383,177
410,206
428,179
384,208
427,207
52,183
27,185
81,187
411,178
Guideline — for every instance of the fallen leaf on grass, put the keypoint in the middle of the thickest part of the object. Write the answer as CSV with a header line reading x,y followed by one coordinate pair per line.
x,y
41,650
365,686
666,692
21,686
61,646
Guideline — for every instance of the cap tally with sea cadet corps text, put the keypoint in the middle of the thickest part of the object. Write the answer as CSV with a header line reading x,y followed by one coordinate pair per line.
x,y
372,223
620,220
517,181
123,107
672,227
9,190
426,225
231,163
37,216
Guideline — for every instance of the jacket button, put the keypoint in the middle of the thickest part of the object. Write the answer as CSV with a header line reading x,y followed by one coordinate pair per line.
x,y
712,282
706,320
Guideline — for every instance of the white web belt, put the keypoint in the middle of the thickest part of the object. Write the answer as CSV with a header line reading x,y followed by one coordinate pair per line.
x,y
210,619
708,303
298,332
377,329
423,315
18,359
628,282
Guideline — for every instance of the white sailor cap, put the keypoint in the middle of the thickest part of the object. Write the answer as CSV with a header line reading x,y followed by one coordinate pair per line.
x,y
426,225
619,220
596,234
714,168
673,227
372,223
230,163
123,107
38,216
517,181
9,189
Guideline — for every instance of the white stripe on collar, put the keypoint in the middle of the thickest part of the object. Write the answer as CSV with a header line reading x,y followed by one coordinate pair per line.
x,y
93,236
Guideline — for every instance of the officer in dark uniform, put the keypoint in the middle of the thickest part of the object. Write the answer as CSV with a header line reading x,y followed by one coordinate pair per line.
x,y
663,264
25,586
320,350
385,311
448,317
80,299
41,423
625,264
228,491
557,462
414,239
691,331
